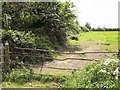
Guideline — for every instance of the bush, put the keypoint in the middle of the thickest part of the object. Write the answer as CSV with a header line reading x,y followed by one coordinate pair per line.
x,y
85,29
98,75
25,40
74,37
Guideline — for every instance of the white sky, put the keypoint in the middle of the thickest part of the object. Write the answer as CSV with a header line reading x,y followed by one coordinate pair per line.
x,y
98,12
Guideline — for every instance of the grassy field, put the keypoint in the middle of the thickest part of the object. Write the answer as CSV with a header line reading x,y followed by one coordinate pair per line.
x,y
106,40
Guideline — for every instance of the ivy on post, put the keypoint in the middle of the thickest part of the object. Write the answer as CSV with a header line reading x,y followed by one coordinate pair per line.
x,y
7,57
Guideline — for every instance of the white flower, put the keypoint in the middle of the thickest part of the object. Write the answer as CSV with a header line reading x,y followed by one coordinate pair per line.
x,y
103,70
116,77
108,73
116,70
30,84
114,60
21,74
116,73
107,62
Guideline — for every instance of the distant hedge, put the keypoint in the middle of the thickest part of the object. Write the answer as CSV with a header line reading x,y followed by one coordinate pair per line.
x,y
106,29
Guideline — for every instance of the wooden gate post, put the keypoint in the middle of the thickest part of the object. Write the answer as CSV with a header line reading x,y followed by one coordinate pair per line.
x,y
2,53
7,57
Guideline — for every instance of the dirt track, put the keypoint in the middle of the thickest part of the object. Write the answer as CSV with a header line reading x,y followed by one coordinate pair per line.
x,y
74,64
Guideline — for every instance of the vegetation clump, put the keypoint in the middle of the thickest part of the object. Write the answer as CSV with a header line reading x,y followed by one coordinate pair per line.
x,y
98,75
48,21
24,76
74,38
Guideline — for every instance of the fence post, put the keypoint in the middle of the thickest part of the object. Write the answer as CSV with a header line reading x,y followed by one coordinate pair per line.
x,y
2,53
7,57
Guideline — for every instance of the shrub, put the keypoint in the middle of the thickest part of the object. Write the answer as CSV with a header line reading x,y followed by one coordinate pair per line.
x,y
74,37
85,29
25,40
98,75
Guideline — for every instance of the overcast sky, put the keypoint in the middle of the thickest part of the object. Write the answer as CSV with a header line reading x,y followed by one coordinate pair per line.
x,y
103,13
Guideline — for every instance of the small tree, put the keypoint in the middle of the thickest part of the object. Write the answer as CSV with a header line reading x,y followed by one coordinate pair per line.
x,y
85,29
88,25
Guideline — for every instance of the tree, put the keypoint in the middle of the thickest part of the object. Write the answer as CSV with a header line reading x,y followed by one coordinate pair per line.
x,y
88,25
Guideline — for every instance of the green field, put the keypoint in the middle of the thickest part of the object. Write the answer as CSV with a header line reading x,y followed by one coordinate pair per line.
x,y
106,40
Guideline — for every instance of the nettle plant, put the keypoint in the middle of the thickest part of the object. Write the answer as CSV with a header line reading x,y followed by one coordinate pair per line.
x,y
101,74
